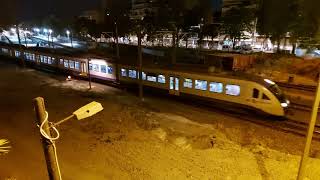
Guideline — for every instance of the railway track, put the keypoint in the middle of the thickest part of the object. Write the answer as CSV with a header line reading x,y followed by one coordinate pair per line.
x,y
308,88
284,125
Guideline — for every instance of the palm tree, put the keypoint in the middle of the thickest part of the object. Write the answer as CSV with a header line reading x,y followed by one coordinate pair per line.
x,y
4,147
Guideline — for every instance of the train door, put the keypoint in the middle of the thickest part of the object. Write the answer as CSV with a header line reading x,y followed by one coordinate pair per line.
x,y
174,85
83,67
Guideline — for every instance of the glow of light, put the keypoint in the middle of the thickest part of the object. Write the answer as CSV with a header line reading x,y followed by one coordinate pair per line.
x,y
36,29
269,81
45,30
284,105
68,32
50,31
13,29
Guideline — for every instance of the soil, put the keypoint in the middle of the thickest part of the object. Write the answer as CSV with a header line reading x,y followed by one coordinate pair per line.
x,y
158,138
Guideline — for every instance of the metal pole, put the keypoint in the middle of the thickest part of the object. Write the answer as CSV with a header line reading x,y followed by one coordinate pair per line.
x,y
47,145
305,156
89,73
71,40
48,41
140,63
117,41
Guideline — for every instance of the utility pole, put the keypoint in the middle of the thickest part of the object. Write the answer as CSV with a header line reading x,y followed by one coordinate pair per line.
x,y
312,124
140,62
89,73
118,53
49,152
20,46
117,40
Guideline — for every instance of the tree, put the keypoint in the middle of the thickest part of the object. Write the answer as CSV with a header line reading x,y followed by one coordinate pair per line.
x,y
236,21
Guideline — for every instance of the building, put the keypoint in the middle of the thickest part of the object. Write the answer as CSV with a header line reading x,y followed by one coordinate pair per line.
x,y
93,15
228,4
141,7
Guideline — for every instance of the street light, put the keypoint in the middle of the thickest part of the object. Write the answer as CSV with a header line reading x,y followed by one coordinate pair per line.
x,y
69,37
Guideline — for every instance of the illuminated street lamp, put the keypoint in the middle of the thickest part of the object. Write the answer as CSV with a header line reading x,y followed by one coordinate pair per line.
x,y
69,37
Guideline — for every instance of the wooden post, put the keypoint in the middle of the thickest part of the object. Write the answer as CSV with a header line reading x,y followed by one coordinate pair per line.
x,y
305,156
52,167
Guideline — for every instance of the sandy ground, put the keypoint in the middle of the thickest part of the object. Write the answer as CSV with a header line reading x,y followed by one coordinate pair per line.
x,y
156,139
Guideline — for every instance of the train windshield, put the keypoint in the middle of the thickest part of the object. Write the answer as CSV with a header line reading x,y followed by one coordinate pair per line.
x,y
274,88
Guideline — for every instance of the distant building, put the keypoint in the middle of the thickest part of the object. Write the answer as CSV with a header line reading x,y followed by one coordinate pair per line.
x,y
141,7
93,15
228,4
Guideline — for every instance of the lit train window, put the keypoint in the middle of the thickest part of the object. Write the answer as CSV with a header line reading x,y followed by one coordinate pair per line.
x,y
161,79
265,97
71,64
187,83
41,58
66,64
110,70
144,76
90,67
216,87
77,65
61,61
95,67
49,60
201,85
152,78
233,90
123,72
45,59
132,73
17,53
53,60
103,68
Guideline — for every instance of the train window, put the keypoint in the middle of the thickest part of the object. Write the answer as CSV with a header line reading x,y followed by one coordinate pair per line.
x,y
17,53
144,76
71,64
255,93
216,87
41,58
45,59
123,72
187,83
32,57
233,90
49,60
161,79
77,65
66,64
61,61
53,60
132,73
90,67
265,97
151,78
110,70
95,67
103,69
201,85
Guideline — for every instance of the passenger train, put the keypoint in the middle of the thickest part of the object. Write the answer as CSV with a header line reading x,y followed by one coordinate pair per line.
x,y
255,93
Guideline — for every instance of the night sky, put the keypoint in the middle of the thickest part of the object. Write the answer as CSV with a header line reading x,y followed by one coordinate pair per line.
x,y
30,9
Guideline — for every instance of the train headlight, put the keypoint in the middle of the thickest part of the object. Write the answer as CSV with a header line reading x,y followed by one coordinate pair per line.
x,y
284,105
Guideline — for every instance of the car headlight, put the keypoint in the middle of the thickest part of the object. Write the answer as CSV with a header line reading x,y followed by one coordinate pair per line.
x,y
284,105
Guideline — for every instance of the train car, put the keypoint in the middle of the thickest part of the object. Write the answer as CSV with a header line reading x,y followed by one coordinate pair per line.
x,y
251,93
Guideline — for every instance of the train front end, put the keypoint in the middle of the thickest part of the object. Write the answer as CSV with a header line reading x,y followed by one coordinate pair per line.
x,y
277,92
